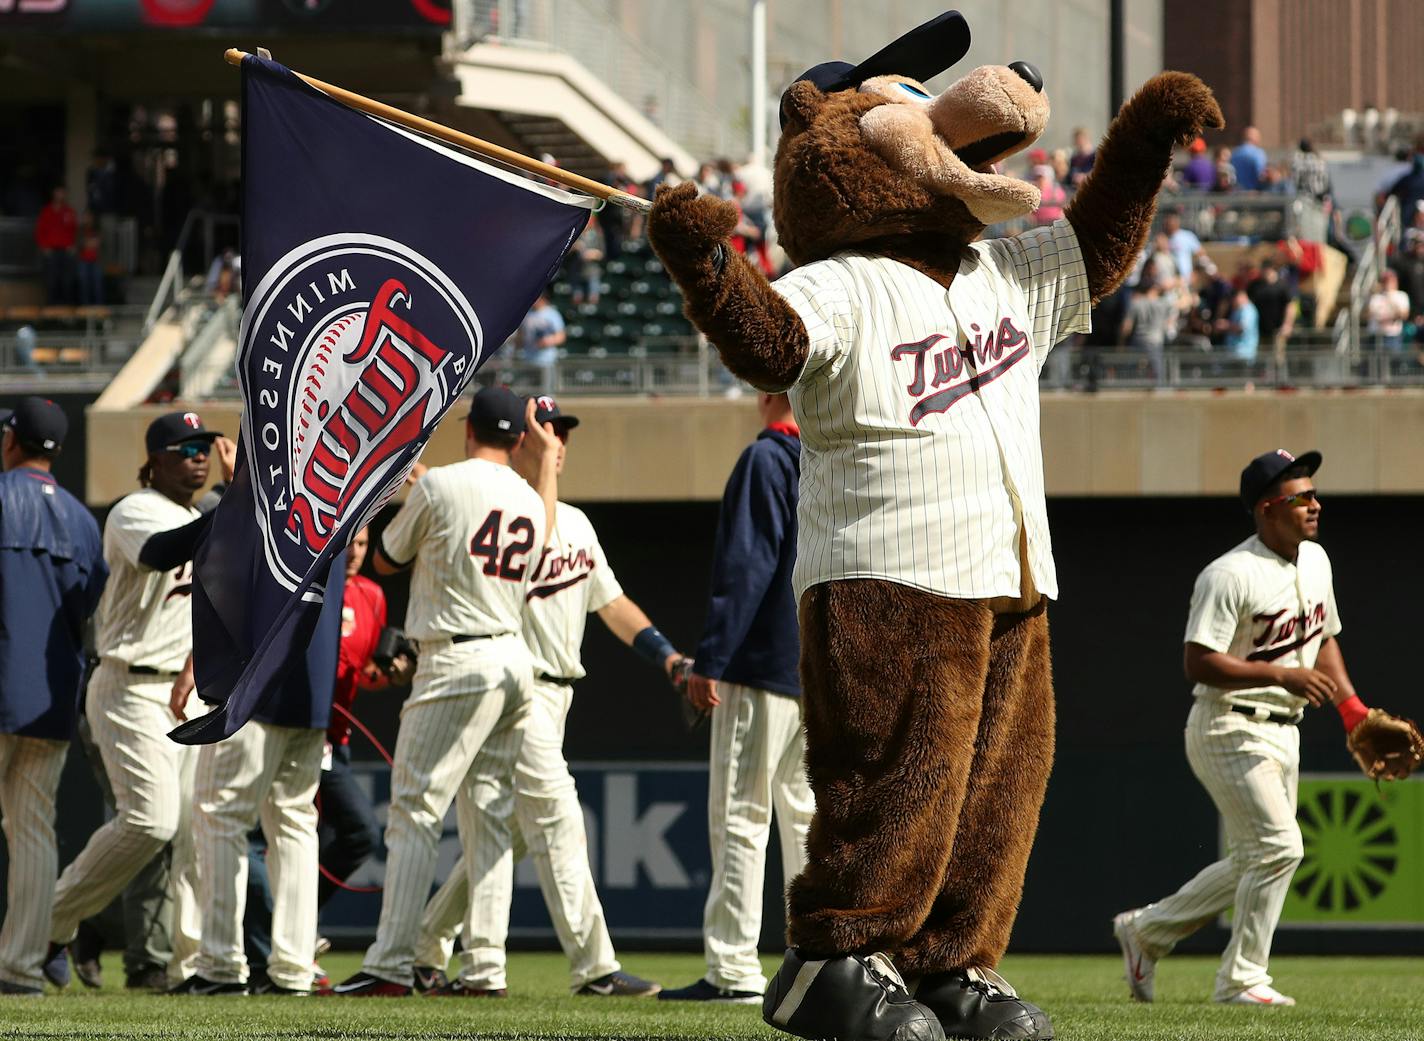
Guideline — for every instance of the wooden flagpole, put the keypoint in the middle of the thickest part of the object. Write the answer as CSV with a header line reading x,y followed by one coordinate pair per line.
x,y
474,144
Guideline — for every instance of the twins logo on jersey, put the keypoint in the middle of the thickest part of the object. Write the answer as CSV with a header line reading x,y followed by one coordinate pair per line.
x,y
958,369
559,571
352,347
1283,632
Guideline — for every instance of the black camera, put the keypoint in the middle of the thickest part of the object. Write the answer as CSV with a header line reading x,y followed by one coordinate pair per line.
x,y
392,644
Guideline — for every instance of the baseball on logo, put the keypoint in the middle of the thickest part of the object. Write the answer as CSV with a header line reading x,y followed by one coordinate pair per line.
x,y
352,348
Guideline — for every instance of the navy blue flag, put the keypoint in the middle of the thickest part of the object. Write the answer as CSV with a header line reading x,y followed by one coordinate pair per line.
x,y
380,270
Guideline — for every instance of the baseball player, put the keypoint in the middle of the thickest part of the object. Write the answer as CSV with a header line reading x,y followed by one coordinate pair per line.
x,y
1261,646
268,769
573,581
144,635
347,828
52,573
474,531
745,674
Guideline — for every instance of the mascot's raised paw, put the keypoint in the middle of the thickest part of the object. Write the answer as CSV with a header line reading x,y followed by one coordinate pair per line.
x,y
686,226
1180,104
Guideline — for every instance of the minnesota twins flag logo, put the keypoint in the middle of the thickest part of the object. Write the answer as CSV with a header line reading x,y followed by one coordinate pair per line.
x,y
381,269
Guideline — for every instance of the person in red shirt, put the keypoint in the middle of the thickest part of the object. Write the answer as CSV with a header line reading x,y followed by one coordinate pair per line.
x,y
349,830
55,229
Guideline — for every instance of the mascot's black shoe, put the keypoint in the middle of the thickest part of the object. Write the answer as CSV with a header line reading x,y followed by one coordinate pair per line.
x,y
979,1003
851,998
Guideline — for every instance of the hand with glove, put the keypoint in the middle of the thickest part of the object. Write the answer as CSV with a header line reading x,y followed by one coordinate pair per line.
x,y
1386,747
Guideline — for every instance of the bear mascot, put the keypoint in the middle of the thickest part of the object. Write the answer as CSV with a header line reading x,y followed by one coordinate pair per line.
x,y
911,352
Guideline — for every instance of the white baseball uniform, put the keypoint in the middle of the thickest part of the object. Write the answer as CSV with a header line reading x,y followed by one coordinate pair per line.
x,y
573,581
144,633
1252,604
475,530
758,764
30,768
269,773
921,460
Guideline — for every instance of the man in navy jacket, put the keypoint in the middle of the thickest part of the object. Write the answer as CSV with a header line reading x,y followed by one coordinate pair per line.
x,y
52,573
746,676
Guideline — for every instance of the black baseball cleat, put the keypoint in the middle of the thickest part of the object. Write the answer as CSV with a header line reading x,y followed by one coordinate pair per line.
x,y
84,955
849,998
979,1003
620,985
19,990
364,985
456,989
151,978
56,965
428,977
704,991
197,987
264,987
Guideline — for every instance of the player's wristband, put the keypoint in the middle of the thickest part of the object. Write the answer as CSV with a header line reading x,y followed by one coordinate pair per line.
x,y
1352,710
652,646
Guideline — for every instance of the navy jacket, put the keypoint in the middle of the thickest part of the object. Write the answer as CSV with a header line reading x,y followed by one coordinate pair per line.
x,y
750,636
304,699
52,572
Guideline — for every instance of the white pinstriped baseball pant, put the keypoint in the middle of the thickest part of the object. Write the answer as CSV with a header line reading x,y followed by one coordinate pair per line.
x,y
152,778
271,773
551,830
1251,770
30,768
757,765
460,732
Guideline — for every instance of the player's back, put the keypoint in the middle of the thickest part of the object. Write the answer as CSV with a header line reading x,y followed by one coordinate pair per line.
x,y
476,531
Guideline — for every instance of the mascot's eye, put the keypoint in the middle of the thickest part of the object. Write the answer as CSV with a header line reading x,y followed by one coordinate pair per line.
x,y
914,92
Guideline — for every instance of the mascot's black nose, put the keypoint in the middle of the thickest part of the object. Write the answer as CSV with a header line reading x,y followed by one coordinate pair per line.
x,y
1030,75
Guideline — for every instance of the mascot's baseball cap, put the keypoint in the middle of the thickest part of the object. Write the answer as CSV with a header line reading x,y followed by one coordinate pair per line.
x,y
1264,470
921,54
175,428
546,410
38,422
497,410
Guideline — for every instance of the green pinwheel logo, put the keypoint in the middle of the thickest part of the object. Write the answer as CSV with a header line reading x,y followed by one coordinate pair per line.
x,y
1364,849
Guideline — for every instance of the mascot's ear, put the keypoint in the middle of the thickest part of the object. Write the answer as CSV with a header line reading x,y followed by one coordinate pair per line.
x,y
800,103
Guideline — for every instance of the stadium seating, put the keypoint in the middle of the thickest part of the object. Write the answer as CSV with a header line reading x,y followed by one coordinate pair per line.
x,y
639,310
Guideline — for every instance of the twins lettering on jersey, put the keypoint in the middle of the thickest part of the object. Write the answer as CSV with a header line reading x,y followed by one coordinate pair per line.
x,y
958,369
1282,633
559,571
353,347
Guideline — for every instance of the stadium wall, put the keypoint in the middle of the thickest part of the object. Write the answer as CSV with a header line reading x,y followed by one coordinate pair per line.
x,y
1185,443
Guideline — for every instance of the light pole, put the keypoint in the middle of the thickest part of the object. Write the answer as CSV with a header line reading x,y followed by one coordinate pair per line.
x,y
758,101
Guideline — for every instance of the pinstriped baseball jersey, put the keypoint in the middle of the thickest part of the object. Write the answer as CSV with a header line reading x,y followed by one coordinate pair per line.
x,y
919,414
145,617
475,530
1251,603
573,580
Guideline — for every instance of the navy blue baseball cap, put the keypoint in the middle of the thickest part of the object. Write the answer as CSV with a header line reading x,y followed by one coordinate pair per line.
x,y
546,410
1266,469
38,422
921,54
496,410
173,428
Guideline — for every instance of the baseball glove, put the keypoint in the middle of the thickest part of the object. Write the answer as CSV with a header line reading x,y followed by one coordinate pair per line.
x,y
1386,747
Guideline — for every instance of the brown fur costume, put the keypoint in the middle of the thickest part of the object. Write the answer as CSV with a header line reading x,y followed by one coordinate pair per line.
x,y
929,720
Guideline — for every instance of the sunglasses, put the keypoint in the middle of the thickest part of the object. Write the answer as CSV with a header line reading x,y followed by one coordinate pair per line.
x,y
1304,498
191,449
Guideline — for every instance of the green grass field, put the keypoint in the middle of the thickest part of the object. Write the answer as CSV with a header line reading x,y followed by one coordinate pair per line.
x,y
1341,999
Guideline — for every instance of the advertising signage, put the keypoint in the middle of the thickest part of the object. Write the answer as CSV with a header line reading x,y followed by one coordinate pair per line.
x,y
99,16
